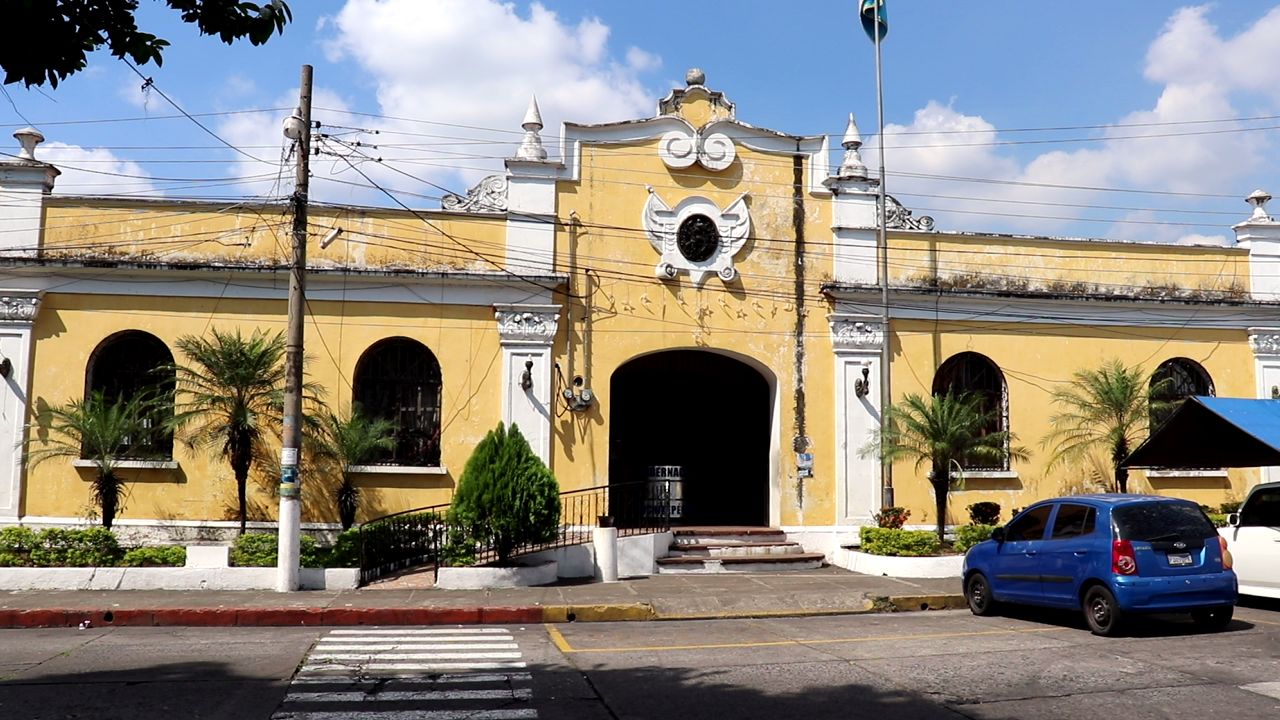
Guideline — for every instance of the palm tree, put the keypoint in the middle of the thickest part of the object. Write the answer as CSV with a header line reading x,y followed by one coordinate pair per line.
x,y
348,442
104,432
1108,410
943,430
230,398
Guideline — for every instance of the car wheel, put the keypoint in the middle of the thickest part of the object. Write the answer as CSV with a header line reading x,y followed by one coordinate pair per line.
x,y
1213,618
977,591
1101,611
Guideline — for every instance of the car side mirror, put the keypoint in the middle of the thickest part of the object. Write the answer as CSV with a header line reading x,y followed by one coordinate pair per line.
x,y
1233,519
998,534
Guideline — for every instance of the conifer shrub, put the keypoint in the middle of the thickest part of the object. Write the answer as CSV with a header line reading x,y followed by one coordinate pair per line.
x,y
984,513
506,497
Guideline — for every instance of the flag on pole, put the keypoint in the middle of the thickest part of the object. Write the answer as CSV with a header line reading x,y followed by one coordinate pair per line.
x,y
874,12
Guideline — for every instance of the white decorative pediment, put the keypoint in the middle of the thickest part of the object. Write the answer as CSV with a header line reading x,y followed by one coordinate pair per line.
x,y
856,333
682,148
527,324
488,196
696,236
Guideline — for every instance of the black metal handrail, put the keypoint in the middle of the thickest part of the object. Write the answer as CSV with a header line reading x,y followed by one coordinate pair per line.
x,y
421,536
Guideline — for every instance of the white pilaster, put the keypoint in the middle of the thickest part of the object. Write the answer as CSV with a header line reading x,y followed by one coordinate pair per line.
x,y
24,183
857,341
854,205
17,316
531,202
1261,235
1265,343
527,332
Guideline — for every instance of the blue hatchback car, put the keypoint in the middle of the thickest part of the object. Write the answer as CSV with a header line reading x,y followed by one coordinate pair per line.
x,y
1109,555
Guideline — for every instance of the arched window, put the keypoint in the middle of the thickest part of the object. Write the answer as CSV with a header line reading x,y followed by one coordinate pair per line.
x,y
974,373
130,363
399,379
1171,383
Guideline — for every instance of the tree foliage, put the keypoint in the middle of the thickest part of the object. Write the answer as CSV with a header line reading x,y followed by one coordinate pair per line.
x,y
347,442
1104,409
942,430
103,431
49,40
506,497
231,399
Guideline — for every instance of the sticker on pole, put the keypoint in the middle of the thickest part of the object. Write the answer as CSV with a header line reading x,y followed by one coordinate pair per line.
x,y
289,456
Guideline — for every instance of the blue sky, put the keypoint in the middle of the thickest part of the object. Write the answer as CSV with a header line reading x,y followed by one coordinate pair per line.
x,y
969,91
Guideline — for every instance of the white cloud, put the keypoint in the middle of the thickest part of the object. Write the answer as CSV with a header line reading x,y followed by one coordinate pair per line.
x,y
89,171
475,64
1204,76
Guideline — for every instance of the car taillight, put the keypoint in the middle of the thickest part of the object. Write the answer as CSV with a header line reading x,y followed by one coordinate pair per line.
x,y
1123,561
1227,560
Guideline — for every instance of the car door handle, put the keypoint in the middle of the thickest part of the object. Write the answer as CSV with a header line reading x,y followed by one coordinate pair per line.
x,y
1080,553
1030,553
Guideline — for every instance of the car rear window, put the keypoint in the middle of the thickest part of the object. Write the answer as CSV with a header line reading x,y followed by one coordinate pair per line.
x,y
1157,521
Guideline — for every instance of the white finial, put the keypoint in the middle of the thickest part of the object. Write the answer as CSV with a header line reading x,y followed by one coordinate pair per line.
x,y
531,148
695,76
851,166
29,138
1258,199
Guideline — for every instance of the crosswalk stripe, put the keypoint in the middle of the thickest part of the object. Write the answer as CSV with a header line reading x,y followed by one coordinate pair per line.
x,y
371,714
420,631
423,667
416,656
397,695
419,646
433,680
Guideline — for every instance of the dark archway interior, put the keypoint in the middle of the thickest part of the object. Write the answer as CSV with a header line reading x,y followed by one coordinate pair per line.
x,y
706,413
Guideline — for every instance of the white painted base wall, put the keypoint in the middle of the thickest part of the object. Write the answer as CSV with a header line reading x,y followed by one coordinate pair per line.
x,y
900,567
637,556
482,577
165,578
178,532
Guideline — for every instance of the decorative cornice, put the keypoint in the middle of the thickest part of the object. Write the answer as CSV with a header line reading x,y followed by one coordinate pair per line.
x,y
898,216
527,324
487,196
856,333
1265,342
19,309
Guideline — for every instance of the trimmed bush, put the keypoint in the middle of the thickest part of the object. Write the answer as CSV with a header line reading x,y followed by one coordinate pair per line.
x,y
91,547
893,541
15,546
506,497
984,513
891,517
1218,519
164,556
259,550
1230,507
969,535
345,552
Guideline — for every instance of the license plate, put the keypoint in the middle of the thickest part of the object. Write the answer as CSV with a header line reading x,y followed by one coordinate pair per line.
x,y
1179,558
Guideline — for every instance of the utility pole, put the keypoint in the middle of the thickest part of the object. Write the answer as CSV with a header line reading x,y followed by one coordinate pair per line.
x,y
297,127
880,25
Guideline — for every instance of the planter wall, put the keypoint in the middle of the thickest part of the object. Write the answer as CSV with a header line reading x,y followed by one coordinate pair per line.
x,y
481,577
944,566
171,578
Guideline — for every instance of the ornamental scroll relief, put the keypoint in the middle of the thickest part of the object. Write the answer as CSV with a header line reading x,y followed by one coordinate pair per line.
x,y
19,309
527,324
1265,342
856,334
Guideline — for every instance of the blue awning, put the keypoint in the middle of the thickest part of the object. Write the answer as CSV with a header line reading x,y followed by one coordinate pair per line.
x,y
1213,432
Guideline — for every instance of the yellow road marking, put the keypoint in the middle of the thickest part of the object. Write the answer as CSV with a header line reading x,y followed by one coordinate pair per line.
x,y
565,647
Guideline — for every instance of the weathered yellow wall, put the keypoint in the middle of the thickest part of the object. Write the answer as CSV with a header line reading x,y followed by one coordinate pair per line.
x,y
69,327
1037,359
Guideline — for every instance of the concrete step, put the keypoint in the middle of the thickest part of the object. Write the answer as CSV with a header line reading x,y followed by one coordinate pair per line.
x,y
716,549
740,563
727,535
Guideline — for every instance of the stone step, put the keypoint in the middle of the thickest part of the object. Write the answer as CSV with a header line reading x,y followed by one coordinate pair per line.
x,y
740,563
716,549
726,535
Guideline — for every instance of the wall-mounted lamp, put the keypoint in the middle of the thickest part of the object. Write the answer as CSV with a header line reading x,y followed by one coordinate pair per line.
x,y
863,386
6,368
293,125
578,398
526,377
1275,390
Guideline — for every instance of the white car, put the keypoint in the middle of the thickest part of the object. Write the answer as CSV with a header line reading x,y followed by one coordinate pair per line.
x,y
1253,538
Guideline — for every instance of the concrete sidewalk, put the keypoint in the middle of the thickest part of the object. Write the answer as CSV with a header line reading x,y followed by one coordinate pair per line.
x,y
828,591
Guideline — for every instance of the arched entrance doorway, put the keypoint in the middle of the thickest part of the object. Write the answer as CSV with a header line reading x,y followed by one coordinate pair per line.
x,y
707,414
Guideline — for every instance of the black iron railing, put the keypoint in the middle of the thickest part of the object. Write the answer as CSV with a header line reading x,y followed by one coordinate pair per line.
x,y
421,536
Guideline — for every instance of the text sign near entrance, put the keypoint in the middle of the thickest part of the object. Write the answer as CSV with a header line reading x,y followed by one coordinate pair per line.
x,y
666,492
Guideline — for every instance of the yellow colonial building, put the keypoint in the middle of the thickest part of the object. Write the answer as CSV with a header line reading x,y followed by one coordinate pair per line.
x,y
685,291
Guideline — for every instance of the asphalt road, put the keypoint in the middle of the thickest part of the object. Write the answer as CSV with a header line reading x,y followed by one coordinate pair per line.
x,y
899,666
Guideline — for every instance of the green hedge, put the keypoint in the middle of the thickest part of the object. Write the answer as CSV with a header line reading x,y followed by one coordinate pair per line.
x,y
969,535
162,556
891,541
1218,519
259,550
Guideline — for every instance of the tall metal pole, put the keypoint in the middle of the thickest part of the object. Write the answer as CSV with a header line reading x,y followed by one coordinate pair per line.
x,y
287,559
882,241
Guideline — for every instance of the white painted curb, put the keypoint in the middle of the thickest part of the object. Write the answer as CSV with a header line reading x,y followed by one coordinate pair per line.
x,y
944,566
479,578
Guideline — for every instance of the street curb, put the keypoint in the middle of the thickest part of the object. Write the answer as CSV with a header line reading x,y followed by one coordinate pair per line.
x,y
348,616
